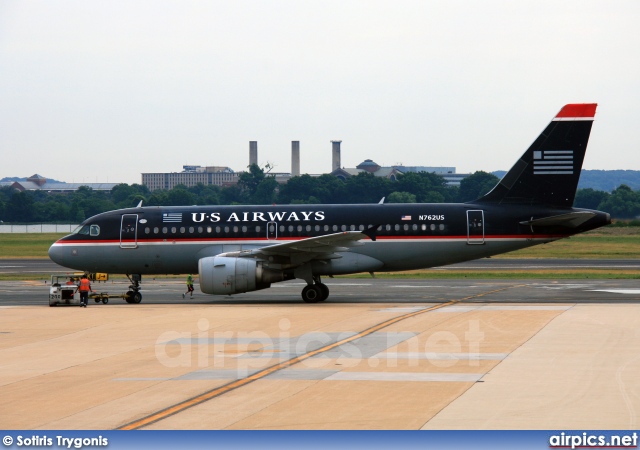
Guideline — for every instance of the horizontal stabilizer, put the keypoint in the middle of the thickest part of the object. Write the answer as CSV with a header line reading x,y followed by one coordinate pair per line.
x,y
569,220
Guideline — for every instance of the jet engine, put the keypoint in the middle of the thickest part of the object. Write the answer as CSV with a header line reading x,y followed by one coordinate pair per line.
x,y
223,275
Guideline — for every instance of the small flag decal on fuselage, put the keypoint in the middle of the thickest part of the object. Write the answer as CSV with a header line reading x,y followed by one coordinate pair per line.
x,y
405,218
172,217
553,162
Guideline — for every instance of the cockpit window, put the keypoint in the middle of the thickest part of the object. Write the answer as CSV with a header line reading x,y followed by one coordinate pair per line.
x,y
84,230
87,230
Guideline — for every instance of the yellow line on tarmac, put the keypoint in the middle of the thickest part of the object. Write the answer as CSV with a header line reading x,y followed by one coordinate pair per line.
x,y
216,392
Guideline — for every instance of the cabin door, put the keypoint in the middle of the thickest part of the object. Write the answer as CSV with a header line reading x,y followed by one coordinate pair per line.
x,y
475,227
272,230
129,231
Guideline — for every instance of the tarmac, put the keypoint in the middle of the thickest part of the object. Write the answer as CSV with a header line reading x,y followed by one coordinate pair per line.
x,y
378,354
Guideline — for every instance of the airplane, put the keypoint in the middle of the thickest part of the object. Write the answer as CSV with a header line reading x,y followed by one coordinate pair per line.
x,y
237,249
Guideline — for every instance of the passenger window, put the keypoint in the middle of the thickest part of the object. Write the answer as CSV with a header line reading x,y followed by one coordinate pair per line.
x,y
244,229
164,230
174,230
299,228
361,228
433,227
209,229
326,228
226,229
218,230
200,230
308,227
343,228
192,230
441,227
397,227
147,230
352,228
235,229
424,227
182,229
257,228
388,227
414,227
406,226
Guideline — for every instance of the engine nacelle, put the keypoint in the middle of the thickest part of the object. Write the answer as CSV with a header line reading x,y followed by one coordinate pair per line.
x,y
223,275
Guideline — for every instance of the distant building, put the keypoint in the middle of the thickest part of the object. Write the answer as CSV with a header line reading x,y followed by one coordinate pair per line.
x,y
448,173
190,176
39,183
367,166
194,175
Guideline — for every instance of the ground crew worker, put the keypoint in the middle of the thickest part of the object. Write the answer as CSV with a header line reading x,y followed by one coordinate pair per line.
x,y
84,287
189,286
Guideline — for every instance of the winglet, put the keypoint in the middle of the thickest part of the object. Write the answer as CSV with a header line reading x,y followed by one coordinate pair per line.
x,y
371,232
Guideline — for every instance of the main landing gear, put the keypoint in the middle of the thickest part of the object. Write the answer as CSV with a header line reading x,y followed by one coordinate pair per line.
x,y
315,292
133,294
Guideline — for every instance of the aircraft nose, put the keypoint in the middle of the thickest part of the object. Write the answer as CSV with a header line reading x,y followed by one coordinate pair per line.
x,y
55,254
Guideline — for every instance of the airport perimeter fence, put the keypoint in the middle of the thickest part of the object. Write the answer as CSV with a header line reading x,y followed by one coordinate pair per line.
x,y
38,228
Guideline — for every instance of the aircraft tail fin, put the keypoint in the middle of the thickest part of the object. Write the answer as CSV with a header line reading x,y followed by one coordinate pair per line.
x,y
548,172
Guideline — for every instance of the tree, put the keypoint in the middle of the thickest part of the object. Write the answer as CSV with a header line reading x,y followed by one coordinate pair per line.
x,y
158,198
427,187
180,196
623,203
206,195
476,185
257,187
366,188
401,197
299,189
589,198
20,207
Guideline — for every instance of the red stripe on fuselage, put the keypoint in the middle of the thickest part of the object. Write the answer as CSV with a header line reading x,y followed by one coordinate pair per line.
x,y
276,241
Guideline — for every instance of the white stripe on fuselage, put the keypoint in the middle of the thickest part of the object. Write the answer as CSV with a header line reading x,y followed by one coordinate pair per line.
x,y
263,242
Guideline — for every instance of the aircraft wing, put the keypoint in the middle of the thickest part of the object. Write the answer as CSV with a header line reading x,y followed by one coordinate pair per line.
x,y
314,246
569,220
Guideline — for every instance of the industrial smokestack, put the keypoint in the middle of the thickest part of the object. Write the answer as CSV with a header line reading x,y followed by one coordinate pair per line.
x,y
335,155
253,152
295,158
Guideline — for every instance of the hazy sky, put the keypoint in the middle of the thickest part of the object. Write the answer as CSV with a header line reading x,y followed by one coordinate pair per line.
x,y
105,90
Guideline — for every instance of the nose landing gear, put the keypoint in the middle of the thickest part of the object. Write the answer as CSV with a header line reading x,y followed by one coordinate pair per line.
x,y
133,294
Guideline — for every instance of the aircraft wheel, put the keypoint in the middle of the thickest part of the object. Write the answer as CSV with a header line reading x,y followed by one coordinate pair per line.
x,y
97,299
137,297
105,301
324,291
311,294
129,297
